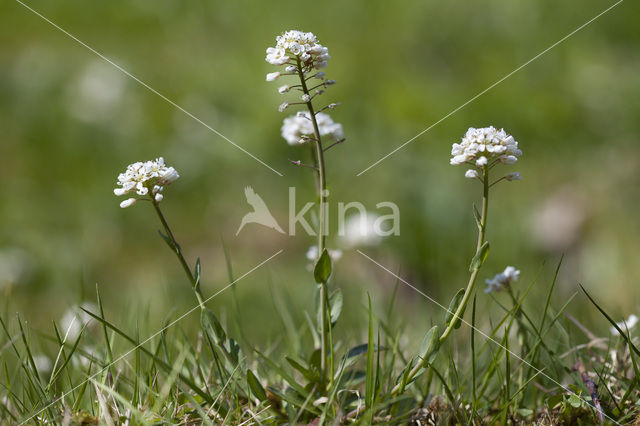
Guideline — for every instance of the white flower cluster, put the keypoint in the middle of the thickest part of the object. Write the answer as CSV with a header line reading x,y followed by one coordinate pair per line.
x,y
144,177
502,280
628,324
303,46
484,146
298,128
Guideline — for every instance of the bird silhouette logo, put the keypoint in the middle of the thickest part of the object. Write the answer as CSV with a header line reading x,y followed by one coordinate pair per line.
x,y
260,213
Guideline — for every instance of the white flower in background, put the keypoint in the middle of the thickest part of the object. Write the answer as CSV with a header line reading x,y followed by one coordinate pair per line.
x,y
16,266
43,364
144,178
97,95
75,319
502,280
484,146
312,253
631,322
361,230
297,45
298,128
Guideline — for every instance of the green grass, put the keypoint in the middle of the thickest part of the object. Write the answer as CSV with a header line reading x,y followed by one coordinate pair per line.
x,y
338,343
521,368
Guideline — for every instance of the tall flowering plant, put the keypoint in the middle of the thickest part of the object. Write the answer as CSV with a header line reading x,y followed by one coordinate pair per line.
x,y
302,57
482,150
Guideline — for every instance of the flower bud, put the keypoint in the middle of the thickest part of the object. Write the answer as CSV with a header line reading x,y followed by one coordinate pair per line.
x,y
128,202
471,174
272,76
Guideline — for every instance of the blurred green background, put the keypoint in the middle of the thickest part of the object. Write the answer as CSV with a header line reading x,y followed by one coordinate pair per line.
x,y
71,122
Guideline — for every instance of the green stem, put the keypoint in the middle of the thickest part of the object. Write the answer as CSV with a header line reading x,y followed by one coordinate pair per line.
x,y
178,251
482,228
325,324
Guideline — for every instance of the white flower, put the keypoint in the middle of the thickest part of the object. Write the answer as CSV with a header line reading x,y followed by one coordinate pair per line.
x,y
471,174
513,176
298,129
305,98
361,230
290,69
144,177
502,280
303,46
74,319
284,89
624,325
485,145
312,253
272,76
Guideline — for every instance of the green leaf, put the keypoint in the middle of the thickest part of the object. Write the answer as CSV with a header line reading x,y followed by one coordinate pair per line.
x,y
167,240
255,386
453,307
369,385
212,327
322,270
302,369
476,215
575,401
480,257
198,272
430,345
335,301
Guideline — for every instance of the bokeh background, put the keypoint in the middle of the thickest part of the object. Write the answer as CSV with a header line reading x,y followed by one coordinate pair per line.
x,y
71,122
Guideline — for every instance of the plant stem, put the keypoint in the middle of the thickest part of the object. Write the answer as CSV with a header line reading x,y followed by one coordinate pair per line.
x,y
482,228
178,251
318,158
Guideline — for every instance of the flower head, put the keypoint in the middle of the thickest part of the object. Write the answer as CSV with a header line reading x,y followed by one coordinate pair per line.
x,y
485,145
361,229
301,46
502,280
145,178
298,128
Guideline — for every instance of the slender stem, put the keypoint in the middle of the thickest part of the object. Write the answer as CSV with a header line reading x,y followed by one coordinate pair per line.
x,y
482,228
318,157
178,251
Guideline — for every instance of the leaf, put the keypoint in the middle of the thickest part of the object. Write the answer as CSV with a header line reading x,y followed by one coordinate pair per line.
x,y
369,385
212,327
335,301
480,257
167,240
255,386
322,270
198,272
453,307
302,369
476,215
430,345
